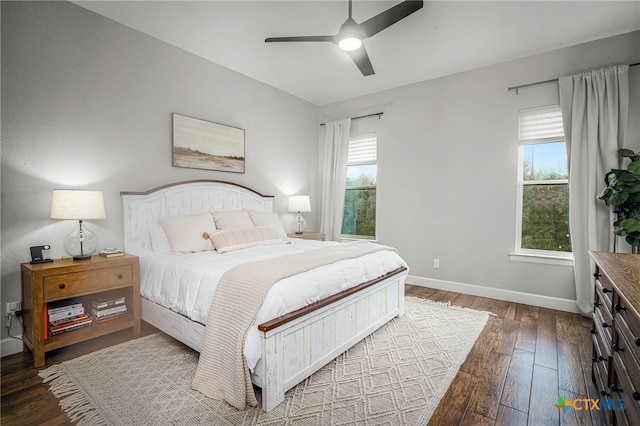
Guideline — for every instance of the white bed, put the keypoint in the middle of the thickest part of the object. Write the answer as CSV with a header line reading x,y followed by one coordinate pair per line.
x,y
295,335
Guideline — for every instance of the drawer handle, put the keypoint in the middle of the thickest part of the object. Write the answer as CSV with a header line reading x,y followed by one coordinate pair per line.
x,y
605,325
605,393
616,388
599,358
597,275
636,395
594,331
619,307
596,304
637,341
119,276
61,285
618,348
605,290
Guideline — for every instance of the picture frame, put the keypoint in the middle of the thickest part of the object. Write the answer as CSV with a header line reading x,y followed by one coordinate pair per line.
x,y
201,144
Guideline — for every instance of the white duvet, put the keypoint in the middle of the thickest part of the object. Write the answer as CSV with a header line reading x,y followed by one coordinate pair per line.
x,y
186,283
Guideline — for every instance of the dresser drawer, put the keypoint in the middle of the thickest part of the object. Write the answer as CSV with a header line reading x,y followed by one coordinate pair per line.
x,y
604,290
628,339
602,322
627,353
77,283
631,322
629,393
601,356
600,375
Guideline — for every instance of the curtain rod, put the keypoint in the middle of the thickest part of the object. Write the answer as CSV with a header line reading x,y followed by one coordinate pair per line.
x,y
363,116
553,80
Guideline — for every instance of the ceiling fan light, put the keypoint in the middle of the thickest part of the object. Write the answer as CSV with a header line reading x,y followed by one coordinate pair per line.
x,y
350,43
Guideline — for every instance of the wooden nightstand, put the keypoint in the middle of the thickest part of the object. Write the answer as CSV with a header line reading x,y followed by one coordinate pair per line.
x,y
83,281
308,236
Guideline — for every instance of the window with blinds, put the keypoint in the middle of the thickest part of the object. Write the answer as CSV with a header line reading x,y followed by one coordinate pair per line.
x,y
543,185
359,216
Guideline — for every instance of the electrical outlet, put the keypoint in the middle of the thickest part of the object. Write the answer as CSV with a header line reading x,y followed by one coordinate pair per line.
x,y
13,306
436,263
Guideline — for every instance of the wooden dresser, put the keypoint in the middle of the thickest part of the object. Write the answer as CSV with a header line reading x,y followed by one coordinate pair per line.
x,y
616,336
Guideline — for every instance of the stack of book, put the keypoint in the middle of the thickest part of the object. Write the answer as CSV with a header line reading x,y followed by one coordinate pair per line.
x,y
66,317
104,310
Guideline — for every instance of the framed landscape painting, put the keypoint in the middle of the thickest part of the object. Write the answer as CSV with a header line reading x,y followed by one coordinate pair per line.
x,y
200,144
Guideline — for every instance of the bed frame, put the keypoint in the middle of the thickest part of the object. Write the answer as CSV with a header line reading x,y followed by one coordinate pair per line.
x,y
295,345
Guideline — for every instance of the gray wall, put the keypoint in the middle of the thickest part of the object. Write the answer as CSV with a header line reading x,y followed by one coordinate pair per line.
x,y
447,166
87,103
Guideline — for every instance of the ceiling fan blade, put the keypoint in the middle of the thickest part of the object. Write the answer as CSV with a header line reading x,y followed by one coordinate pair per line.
x,y
301,38
362,61
383,20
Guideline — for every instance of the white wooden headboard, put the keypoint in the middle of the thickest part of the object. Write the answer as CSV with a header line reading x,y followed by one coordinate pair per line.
x,y
141,210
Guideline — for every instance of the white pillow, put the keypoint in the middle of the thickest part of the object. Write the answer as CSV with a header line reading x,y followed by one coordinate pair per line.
x,y
159,241
235,239
189,233
268,219
232,220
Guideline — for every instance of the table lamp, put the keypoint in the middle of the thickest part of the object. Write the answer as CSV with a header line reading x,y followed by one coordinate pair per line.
x,y
299,204
77,204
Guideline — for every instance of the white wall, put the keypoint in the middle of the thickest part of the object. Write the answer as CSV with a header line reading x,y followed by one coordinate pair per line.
x,y
87,103
447,152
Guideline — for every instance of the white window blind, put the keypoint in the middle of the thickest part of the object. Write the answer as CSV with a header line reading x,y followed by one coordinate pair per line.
x,y
541,125
363,149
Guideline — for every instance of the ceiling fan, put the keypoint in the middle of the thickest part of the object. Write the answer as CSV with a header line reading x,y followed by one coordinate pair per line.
x,y
351,34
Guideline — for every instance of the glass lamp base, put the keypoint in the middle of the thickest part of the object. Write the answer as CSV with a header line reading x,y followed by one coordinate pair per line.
x,y
81,243
299,224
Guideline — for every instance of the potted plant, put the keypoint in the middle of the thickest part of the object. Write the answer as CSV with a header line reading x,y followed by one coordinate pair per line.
x,y
622,193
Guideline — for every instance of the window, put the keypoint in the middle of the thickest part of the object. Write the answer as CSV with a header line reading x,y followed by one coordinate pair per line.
x,y
359,217
543,185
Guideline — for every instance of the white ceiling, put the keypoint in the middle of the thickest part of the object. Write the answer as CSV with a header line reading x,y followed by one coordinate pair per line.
x,y
442,38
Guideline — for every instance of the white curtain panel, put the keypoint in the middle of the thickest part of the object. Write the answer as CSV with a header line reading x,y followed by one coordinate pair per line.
x,y
595,108
334,151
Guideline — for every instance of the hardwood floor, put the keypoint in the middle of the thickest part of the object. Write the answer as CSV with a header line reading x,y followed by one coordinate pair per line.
x,y
525,358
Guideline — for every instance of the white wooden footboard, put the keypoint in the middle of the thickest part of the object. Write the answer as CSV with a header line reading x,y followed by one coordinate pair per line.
x,y
293,351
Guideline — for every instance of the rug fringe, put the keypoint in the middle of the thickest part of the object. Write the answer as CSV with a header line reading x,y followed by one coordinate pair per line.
x,y
72,399
448,304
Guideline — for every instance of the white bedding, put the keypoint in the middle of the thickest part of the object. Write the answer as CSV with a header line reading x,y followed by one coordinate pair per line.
x,y
186,283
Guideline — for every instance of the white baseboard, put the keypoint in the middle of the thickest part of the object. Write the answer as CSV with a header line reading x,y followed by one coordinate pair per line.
x,y
10,346
497,293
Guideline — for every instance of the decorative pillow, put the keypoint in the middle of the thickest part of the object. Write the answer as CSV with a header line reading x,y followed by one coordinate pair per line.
x,y
268,219
232,220
189,233
159,241
235,239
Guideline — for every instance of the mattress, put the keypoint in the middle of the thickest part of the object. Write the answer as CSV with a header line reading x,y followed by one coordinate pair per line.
x,y
186,283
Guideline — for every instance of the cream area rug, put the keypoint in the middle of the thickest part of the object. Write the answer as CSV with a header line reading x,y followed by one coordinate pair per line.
x,y
396,376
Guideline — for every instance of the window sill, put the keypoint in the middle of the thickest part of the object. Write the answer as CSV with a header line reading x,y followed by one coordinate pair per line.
x,y
548,259
345,238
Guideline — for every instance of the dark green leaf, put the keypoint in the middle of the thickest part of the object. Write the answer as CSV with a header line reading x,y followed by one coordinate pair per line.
x,y
627,177
633,239
634,167
619,197
605,194
624,152
630,225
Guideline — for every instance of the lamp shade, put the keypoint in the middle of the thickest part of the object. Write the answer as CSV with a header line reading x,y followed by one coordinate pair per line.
x,y
299,203
77,204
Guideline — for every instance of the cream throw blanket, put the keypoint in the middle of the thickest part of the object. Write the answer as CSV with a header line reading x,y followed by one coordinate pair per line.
x,y
222,369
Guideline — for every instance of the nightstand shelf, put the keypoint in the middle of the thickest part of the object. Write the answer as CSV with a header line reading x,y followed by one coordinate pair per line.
x,y
83,282
319,236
